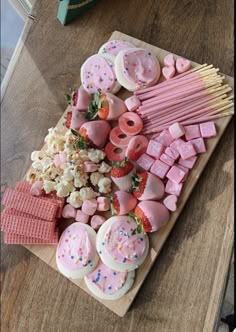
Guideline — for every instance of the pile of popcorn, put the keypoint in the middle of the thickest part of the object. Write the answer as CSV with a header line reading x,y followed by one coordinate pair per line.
x,y
76,174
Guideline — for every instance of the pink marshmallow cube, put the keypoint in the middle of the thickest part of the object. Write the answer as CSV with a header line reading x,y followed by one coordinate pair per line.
x,y
176,130
155,149
90,167
187,150
173,188
145,161
68,211
165,138
176,144
132,103
191,132
189,163
172,153
208,129
82,217
175,174
97,221
186,171
167,159
103,204
89,206
199,145
160,169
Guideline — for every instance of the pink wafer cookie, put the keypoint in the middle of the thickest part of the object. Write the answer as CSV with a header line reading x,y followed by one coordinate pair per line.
x,y
11,238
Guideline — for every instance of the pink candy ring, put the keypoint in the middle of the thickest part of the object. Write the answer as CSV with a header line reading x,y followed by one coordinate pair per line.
x,y
118,138
114,153
130,123
137,146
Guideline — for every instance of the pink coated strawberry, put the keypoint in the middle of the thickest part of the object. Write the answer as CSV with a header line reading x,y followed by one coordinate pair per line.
x,y
122,203
77,119
121,174
147,186
79,99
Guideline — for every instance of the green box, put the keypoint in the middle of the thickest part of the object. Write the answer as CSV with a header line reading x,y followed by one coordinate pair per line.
x,y
70,9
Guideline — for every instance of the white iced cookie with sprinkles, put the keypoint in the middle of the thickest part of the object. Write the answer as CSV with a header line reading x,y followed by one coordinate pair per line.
x,y
120,246
114,47
109,284
137,68
111,60
76,254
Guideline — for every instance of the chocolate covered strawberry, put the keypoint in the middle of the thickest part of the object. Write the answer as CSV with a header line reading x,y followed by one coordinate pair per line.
x,y
79,99
146,186
122,203
150,216
121,174
106,106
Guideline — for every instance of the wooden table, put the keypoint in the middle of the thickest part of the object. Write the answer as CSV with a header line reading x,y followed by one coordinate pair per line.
x,y
184,290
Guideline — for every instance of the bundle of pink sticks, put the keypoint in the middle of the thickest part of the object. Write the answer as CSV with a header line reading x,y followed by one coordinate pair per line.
x,y
195,96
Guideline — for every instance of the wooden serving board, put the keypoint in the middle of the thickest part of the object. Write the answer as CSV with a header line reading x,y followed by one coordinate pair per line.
x,y
157,239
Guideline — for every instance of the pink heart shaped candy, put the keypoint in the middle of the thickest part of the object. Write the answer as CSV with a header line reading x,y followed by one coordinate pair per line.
x,y
182,65
168,72
170,202
169,60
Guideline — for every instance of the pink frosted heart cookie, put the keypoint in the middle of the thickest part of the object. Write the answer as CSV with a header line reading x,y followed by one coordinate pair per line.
x,y
182,65
168,72
170,202
169,60
114,47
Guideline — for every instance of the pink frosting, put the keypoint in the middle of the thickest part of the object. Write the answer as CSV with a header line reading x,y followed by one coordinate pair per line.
x,y
98,74
107,280
140,67
115,46
76,247
121,244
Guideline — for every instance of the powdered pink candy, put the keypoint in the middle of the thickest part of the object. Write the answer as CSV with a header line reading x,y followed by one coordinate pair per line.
x,y
36,188
167,159
208,129
172,153
189,163
176,144
186,171
169,60
68,211
191,132
90,167
103,204
145,161
97,221
187,150
155,149
182,65
165,138
168,72
170,202
132,103
60,158
89,206
82,217
176,130
173,188
175,174
199,145
159,168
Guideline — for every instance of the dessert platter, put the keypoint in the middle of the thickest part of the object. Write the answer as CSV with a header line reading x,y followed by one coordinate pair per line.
x,y
103,194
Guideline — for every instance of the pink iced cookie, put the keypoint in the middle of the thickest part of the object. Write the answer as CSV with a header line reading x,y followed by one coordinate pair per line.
x,y
130,123
89,206
103,204
167,159
132,103
68,211
187,150
176,130
82,217
208,129
118,138
165,138
145,161
172,153
173,188
182,65
199,145
176,144
97,221
90,167
114,47
155,149
191,132
170,202
168,72
36,188
189,163
169,60
175,174
185,170
160,169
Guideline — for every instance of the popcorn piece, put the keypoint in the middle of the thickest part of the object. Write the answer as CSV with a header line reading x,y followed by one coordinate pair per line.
x,y
48,186
96,155
46,163
87,193
165,138
37,165
103,204
75,199
167,159
173,188
192,131
160,169
172,153
89,206
52,172
145,161
64,188
90,167
97,221
68,211
208,129
104,185
132,103
187,150
38,155
189,163
80,180
95,177
104,168
176,130
82,217
155,149
84,154
199,145
67,175
175,174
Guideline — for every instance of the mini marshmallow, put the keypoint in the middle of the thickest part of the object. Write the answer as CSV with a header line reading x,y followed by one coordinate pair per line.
x,y
89,206
132,103
176,144
172,153
103,204
97,221
192,131
176,130
155,149
208,129
175,174
145,161
187,150
170,202
36,188
82,217
173,188
90,167
186,171
160,169
167,159
189,163
165,138
68,211
199,145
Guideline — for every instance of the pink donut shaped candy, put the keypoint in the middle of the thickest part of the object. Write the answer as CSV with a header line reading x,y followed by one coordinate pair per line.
x,y
130,123
114,153
118,138
114,47
136,147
